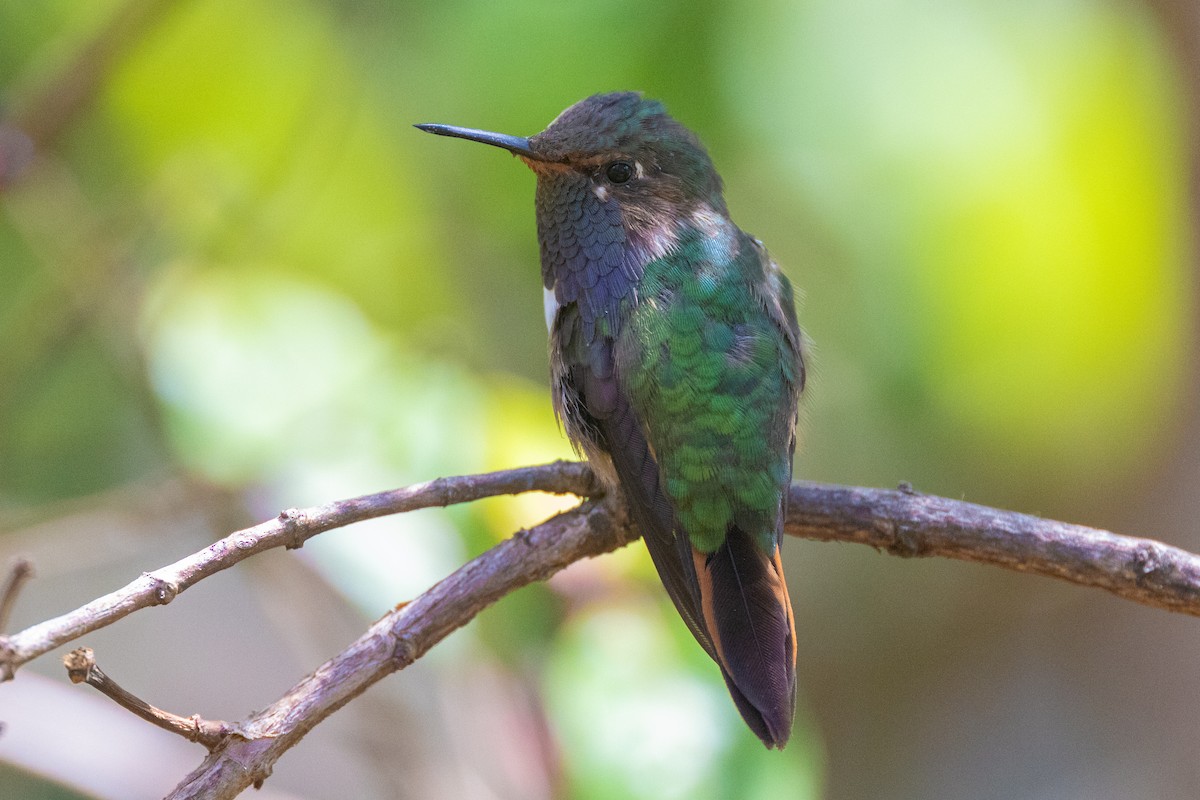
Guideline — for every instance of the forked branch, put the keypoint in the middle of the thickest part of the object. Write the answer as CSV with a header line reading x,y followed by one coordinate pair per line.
x,y
901,522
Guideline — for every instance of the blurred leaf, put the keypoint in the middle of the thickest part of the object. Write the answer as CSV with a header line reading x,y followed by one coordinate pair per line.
x,y
1011,205
643,712
19,784
268,150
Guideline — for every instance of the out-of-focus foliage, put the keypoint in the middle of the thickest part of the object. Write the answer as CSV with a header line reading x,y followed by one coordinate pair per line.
x,y
236,261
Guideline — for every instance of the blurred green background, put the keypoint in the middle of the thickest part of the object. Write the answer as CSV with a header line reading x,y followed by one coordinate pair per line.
x,y
234,279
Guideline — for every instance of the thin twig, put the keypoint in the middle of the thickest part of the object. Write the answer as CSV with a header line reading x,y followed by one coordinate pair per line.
x,y
248,755
290,529
82,668
19,572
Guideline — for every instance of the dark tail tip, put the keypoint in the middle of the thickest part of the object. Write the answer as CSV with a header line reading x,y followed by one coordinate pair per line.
x,y
751,617
773,725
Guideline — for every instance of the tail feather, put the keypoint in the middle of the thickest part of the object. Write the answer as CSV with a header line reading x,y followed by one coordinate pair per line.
x,y
747,611
734,600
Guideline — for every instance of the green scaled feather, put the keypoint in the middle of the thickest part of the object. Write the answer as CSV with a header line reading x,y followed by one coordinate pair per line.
x,y
712,374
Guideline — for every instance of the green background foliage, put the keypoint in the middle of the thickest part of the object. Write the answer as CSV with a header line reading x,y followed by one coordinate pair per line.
x,y
236,273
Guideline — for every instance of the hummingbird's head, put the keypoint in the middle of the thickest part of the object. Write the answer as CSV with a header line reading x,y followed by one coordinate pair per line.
x,y
623,149
629,148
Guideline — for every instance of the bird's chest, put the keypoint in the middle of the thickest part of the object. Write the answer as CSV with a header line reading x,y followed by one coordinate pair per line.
x,y
586,256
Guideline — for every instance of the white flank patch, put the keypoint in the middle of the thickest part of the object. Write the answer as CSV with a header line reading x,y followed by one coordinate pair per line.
x,y
550,305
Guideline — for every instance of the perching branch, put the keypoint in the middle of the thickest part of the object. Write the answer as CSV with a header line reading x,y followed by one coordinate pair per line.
x,y
82,668
902,522
906,523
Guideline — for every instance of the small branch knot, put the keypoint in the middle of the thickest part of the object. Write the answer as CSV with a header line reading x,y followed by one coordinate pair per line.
x,y
79,663
209,733
294,521
197,731
1146,562
403,652
904,541
163,591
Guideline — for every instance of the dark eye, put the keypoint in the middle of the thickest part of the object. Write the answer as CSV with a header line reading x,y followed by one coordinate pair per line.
x,y
619,171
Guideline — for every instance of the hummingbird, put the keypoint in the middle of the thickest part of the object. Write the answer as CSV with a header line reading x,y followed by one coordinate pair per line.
x,y
676,368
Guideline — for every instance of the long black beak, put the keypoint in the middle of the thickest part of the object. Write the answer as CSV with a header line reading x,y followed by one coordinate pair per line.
x,y
517,145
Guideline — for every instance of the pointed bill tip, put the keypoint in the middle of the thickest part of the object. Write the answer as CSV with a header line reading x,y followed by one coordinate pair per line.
x,y
517,145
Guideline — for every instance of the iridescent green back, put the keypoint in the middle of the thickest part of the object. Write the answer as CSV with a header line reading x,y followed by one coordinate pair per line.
x,y
712,372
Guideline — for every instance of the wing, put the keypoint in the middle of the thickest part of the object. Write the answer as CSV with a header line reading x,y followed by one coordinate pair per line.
x,y
711,361
600,420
